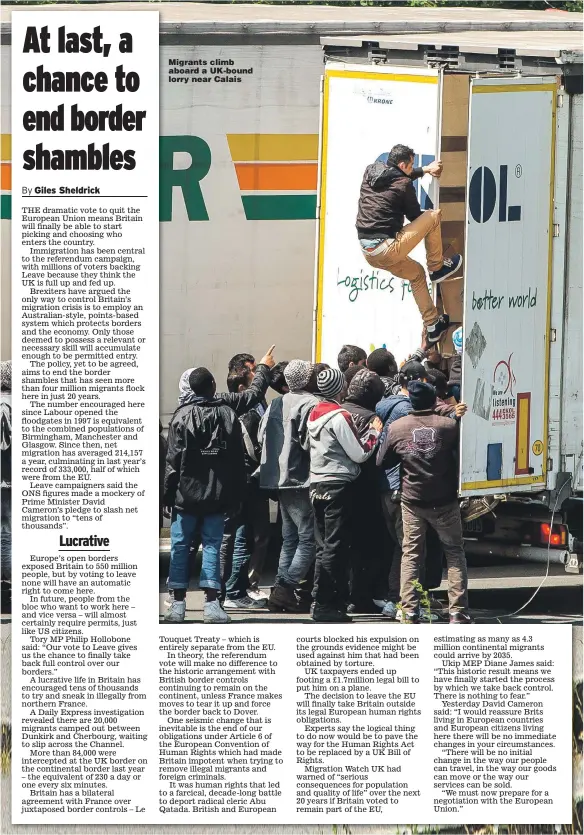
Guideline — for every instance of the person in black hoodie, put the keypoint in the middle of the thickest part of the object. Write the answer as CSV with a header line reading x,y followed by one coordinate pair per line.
x,y
370,542
387,195
205,479
247,533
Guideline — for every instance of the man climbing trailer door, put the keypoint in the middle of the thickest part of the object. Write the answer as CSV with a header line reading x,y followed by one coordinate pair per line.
x,y
387,196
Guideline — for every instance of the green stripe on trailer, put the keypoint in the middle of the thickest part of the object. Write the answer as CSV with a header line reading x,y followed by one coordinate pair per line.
x,y
279,206
6,207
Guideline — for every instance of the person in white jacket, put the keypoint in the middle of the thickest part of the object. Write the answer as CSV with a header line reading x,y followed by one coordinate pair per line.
x,y
336,453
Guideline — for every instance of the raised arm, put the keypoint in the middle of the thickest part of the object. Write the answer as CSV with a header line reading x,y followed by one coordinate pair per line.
x,y
386,456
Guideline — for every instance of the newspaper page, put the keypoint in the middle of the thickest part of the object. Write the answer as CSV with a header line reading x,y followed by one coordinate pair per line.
x,y
214,613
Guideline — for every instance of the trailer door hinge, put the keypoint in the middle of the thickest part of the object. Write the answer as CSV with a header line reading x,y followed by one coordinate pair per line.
x,y
552,334
560,100
550,465
556,233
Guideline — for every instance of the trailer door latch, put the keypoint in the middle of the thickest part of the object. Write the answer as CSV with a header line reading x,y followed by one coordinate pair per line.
x,y
574,564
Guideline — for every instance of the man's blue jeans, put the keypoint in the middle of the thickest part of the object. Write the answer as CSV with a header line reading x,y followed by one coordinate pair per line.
x,y
246,543
298,547
183,528
238,581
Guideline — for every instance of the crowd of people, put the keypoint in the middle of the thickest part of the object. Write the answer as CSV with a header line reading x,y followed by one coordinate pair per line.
x,y
362,460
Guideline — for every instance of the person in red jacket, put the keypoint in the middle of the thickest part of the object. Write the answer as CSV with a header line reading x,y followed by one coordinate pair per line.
x,y
336,453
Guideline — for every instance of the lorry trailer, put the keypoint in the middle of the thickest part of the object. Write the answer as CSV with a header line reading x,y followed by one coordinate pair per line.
x,y
504,113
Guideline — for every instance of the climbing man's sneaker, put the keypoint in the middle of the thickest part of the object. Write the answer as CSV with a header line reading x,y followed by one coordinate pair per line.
x,y
436,330
448,268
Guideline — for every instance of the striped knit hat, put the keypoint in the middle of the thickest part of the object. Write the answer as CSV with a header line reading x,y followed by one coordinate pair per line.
x,y
330,382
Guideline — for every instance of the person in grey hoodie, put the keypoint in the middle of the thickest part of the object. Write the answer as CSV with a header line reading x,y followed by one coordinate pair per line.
x,y
336,453
285,470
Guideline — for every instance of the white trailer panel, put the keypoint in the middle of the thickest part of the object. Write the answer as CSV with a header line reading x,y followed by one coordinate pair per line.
x,y
508,277
365,113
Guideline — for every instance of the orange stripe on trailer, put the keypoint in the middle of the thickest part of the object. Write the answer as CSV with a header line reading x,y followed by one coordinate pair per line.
x,y
522,439
281,176
6,176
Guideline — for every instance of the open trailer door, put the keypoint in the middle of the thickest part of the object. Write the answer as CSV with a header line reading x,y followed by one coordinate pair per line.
x,y
366,110
508,275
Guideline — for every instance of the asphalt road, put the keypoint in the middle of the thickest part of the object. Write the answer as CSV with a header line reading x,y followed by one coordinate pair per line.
x,y
498,588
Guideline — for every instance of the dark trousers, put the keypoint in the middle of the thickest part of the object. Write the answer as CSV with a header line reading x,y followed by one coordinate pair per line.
x,y
431,564
393,521
431,574
370,543
446,522
332,505
245,543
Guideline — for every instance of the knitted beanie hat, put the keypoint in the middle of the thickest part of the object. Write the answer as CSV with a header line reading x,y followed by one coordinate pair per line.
x,y
330,382
366,388
6,375
297,374
422,395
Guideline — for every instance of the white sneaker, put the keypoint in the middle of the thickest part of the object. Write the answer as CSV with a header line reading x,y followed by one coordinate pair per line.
x,y
176,612
256,594
245,603
213,613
